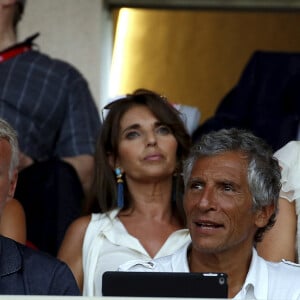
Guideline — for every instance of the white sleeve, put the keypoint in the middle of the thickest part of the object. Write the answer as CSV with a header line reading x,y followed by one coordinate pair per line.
x,y
289,161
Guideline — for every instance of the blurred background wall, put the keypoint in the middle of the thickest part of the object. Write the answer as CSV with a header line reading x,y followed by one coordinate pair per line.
x,y
193,57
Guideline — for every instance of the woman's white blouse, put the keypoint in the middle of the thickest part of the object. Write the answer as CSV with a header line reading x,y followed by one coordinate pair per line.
x,y
107,244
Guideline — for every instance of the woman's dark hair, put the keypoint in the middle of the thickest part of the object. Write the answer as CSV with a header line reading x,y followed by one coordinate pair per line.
x,y
104,190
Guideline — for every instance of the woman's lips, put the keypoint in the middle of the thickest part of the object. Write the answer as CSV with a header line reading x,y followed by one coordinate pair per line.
x,y
153,157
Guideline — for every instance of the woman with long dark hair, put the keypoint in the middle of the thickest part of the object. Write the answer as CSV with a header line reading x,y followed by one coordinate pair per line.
x,y
136,211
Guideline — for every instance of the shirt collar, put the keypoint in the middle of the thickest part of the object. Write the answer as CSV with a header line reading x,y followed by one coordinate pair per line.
x,y
179,259
112,214
256,283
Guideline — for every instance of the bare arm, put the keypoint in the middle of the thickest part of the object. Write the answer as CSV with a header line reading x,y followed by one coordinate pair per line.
x,y
84,166
71,248
280,241
13,222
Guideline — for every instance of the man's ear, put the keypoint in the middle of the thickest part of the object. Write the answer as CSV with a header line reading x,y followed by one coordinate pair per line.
x,y
263,215
13,184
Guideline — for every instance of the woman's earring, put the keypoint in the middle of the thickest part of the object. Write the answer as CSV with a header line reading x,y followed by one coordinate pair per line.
x,y
120,188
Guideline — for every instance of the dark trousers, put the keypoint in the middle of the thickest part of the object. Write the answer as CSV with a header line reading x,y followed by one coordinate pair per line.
x,y
52,195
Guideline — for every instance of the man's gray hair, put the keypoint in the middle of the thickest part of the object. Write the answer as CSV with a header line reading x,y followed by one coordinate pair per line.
x,y
263,169
9,134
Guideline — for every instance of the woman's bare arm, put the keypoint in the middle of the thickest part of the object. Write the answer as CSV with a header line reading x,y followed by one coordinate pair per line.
x,y
71,248
280,242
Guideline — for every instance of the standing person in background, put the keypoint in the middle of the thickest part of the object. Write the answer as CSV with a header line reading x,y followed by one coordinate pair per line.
x,y
232,185
24,271
49,104
138,189
283,240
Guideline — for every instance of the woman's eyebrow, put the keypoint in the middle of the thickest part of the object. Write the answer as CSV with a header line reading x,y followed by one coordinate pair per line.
x,y
132,126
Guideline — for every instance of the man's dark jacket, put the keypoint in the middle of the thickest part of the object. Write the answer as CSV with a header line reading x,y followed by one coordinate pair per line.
x,y
24,271
266,100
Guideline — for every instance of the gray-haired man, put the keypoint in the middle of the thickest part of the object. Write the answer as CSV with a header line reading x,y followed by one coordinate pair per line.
x,y
232,186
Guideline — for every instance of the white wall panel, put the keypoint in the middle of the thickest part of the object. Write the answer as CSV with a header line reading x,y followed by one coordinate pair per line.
x,y
75,31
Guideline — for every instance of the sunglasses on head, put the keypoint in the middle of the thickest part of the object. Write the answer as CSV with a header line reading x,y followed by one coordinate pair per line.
x,y
138,93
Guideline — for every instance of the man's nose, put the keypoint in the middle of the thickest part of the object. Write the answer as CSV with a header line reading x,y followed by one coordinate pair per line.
x,y
207,199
